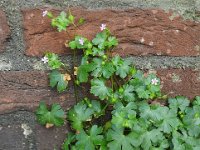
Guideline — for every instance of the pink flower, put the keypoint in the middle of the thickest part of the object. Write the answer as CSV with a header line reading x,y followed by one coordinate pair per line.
x,y
103,27
154,81
44,13
45,59
81,41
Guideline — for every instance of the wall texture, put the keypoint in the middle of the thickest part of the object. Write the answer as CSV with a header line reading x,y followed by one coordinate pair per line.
x,y
162,36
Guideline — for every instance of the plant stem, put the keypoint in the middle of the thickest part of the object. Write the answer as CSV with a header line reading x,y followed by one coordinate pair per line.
x,y
112,83
104,107
75,87
118,84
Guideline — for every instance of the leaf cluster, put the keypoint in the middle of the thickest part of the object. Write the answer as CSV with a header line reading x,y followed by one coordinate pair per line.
x,y
59,76
134,123
64,20
138,125
120,115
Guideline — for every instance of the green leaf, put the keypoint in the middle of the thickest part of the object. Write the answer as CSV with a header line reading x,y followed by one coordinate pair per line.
x,y
142,92
179,102
83,72
128,93
154,89
96,106
57,79
78,114
68,142
100,40
84,69
178,142
196,101
99,89
108,70
50,15
97,72
97,52
80,43
102,68
54,116
151,113
144,87
123,69
61,21
170,122
81,21
181,141
191,121
112,41
90,140
71,18
53,61
72,44
118,141
124,116
122,66
151,138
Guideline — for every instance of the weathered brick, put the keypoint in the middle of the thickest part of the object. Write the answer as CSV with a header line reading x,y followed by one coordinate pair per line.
x,y
184,82
4,30
8,142
140,32
23,90
53,137
20,131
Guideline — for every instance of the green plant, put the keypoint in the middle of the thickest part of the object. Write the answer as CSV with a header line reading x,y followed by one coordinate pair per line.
x,y
47,117
122,116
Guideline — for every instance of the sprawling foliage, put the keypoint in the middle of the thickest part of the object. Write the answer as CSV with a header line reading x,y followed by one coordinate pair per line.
x,y
122,116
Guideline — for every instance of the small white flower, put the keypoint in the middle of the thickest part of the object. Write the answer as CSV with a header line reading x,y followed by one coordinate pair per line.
x,y
103,27
151,43
81,41
45,59
44,13
142,40
154,81
177,31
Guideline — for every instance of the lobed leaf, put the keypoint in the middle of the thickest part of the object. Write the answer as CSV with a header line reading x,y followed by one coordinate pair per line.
x,y
58,79
54,116
78,114
91,139
98,88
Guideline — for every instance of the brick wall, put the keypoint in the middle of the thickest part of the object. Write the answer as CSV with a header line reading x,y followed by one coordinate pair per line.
x,y
154,37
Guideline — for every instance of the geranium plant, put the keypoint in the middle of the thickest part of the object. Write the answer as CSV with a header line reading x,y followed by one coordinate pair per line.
x,y
123,113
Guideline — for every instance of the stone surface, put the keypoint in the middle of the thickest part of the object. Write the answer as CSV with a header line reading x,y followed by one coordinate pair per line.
x,y
23,90
7,141
20,131
16,131
4,30
53,137
180,82
140,32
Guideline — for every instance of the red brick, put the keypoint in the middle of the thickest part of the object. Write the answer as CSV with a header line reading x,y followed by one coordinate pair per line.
x,y
180,82
53,137
4,30
23,90
161,35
